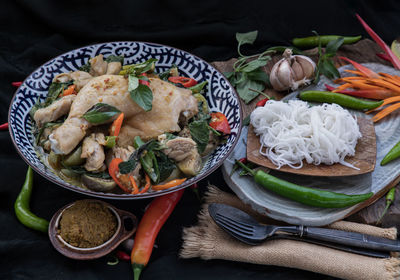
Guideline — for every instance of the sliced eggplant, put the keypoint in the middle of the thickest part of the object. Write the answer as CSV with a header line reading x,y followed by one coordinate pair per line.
x,y
98,184
74,158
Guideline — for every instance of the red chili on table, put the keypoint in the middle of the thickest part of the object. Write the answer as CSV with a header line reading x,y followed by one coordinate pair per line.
x,y
153,219
262,102
4,126
184,81
122,256
16,84
220,123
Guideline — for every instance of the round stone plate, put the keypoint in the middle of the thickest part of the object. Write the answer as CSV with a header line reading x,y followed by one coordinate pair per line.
x,y
279,208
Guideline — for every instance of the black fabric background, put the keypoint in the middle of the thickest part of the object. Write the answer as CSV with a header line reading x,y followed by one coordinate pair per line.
x,y
32,32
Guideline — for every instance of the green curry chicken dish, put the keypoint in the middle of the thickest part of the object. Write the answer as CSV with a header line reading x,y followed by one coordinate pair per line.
x,y
114,128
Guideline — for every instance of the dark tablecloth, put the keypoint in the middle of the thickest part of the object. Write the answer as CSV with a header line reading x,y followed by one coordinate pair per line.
x,y
32,32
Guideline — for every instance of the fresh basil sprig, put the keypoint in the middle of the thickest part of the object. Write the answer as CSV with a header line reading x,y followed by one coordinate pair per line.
x,y
248,74
247,70
325,65
139,92
101,113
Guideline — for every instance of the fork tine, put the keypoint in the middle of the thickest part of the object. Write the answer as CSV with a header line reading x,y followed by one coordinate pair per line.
x,y
237,226
231,229
228,223
237,222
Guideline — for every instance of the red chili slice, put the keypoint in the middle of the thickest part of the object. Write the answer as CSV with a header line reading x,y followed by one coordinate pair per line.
x,y
184,81
144,82
220,123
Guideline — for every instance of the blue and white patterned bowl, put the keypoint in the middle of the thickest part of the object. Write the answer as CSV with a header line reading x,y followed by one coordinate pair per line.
x,y
220,95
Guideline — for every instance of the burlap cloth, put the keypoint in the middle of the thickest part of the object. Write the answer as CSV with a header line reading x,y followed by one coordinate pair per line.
x,y
207,241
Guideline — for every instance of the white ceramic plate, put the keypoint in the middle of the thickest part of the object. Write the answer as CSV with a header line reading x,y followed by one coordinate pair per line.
x,y
279,208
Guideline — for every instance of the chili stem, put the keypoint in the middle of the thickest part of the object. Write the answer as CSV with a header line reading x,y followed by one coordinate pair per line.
x,y
242,165
260,92
389,200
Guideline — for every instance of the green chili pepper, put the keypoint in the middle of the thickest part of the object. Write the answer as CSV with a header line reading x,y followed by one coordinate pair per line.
x,y
21,206
338,98
392,154
389,200
148,161
304,195
313,41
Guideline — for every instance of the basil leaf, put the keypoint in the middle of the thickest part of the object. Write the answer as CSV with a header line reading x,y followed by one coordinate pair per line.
x,y
333,46
228,75
199,87
246,121
86,67
329,70
100,113
165,166
102,175
253,65
200,134
170,136
246,38
246,94
258,75
115,58
139,68
127,166
133,82
111,141
143,96
35,107
55,90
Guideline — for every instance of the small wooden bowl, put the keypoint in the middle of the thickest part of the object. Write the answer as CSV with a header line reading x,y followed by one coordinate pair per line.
x,y
73,252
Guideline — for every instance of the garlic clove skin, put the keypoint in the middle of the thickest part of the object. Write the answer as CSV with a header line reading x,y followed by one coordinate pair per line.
x,y
282,71
291,71
307,64
298,70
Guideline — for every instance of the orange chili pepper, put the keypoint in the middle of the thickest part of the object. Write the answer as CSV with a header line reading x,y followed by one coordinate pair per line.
x,y
116,125
147,186
113,170
168,185
70,90
134,185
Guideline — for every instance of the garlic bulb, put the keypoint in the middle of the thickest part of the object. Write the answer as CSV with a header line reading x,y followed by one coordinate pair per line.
x,y
291,71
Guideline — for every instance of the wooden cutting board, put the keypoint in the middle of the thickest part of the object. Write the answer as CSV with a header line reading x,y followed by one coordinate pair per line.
x,y
364,158
363,51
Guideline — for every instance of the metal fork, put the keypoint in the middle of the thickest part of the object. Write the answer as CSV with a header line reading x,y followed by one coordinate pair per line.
x,y
248,230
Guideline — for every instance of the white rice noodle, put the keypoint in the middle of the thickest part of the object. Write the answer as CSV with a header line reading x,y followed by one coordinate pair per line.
x,y
292,132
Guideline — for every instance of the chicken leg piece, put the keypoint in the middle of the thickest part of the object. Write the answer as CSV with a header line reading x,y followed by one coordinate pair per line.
x,y
109,89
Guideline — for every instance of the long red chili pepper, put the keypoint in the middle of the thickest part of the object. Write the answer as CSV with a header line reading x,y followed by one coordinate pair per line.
x,y
16,84
122,256
384,56
4,126
393,58
152,221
